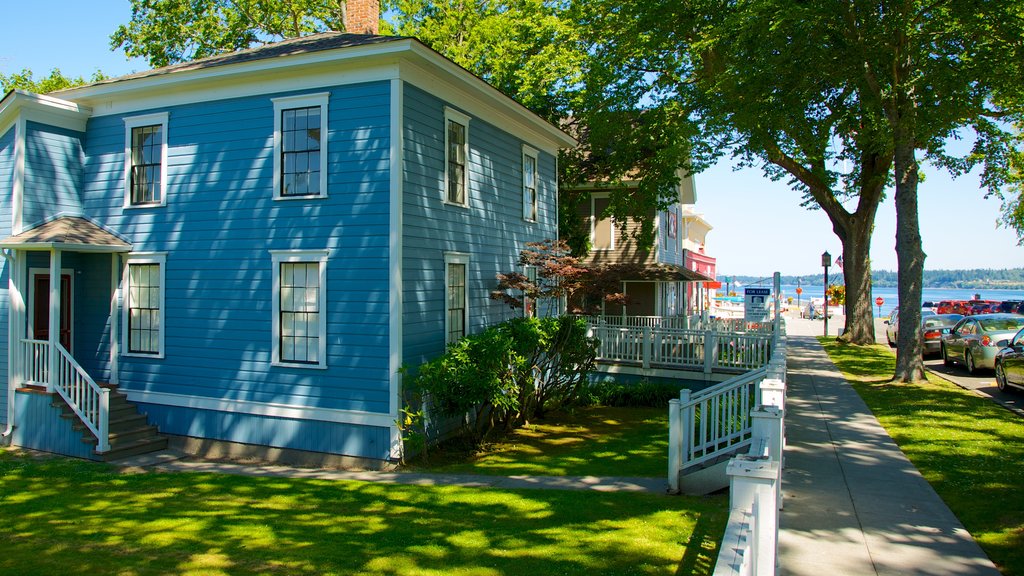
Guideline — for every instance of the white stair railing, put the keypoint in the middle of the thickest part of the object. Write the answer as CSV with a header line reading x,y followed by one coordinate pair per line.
x,y
89,401
35,356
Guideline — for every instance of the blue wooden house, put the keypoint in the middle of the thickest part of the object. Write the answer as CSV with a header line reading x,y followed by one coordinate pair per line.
x,y
249,247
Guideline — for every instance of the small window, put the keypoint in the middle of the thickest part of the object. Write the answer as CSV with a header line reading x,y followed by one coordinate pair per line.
x,y
529,184
456,144
143,298
300,322
602,227
456,296
145,160
300,146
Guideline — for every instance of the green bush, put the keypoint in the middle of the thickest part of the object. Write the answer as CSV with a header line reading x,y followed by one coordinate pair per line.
x,y
644,393
509,373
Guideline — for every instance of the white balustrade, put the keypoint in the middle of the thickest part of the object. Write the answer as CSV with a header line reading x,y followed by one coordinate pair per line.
x,y
35,361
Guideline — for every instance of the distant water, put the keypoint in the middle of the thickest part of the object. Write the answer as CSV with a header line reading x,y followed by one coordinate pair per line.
x,y
891,299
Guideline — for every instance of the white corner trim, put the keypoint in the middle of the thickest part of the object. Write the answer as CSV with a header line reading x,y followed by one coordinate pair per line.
x,y
18,178
283,103
131,122
271,409
395,269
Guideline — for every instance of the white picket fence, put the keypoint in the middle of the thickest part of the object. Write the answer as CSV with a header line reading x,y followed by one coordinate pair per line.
x,y
674,348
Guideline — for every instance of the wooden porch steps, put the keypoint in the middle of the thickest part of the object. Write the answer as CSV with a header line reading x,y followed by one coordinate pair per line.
x,y
129,431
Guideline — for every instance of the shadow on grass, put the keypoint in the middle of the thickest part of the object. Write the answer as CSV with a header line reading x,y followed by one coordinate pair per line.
x,y
598,441
968,448
61,513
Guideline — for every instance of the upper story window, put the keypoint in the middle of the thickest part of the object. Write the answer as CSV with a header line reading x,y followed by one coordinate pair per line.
x,y
300,146
529,184
456,145
299,307
602,227
145,171
143,283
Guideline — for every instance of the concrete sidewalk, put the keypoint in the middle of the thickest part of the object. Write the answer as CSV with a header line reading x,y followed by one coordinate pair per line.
x,y
853,502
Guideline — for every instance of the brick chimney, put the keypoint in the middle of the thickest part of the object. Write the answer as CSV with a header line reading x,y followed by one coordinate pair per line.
x,y
362,16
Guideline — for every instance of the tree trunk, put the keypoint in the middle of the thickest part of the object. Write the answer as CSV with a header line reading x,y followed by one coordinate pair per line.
x,y
860,323
910,255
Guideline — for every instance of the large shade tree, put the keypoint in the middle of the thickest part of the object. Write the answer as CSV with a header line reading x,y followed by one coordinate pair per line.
x,y
765,82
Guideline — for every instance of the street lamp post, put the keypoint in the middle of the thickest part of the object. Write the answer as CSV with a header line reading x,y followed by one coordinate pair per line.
x,y
826,261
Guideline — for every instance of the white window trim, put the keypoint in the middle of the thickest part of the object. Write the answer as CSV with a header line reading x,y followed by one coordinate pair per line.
x,y
529,151
455,258
535,301
593,223
302,101
138,122
279,257
453,115
143,258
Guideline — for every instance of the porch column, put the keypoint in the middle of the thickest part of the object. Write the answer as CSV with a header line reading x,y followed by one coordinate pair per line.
x,y
15,327
115,318
54,326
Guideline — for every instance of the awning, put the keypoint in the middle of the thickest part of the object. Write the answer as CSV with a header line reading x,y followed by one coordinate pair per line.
x,y
71,233
651,273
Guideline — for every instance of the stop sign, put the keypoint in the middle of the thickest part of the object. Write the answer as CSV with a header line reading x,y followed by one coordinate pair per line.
x,y
879,301
799,290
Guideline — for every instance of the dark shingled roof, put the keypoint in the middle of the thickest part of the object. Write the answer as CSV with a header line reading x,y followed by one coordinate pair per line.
x,y
68,232
289,47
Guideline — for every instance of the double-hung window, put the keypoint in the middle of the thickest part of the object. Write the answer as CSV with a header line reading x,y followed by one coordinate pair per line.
x,y
456,269
530,303
143,309
456,145
529,184
145,153
299,308
300,146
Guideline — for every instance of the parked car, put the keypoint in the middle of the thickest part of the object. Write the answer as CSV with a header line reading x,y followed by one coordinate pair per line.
x,y
948,307
929,307
980,307
1010,363
1010,306
973,341
933,329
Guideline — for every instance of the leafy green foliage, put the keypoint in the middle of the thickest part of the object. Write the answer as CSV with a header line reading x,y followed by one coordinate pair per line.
x,y
509,373
966,446
645,393
25,80
170,31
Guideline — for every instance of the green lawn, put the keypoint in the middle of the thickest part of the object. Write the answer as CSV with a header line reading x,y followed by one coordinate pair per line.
x,y
969,448
597,441
63,515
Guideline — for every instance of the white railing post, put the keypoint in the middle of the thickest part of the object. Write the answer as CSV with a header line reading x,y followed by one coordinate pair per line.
x,y
766,429
103,444
647,347
752,487
675,445
710,350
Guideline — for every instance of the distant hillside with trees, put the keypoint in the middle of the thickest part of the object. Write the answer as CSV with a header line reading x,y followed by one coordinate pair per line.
x,y
975,278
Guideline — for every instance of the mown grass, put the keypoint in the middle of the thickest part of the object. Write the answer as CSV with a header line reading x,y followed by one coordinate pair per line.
x,y
63,515
970,449
597,441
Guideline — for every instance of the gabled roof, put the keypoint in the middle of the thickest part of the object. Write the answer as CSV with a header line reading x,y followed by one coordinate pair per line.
x,y
290,47
67,233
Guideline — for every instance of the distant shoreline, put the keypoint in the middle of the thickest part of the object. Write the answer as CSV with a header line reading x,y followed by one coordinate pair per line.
x,y
976,279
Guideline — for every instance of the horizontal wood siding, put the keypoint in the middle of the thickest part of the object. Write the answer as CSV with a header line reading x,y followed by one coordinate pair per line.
x,y
218,227
6,182
312,435
53,173
671,249
625,251
40,427
492,230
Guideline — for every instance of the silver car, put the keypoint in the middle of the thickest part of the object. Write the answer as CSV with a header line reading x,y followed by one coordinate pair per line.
x,y
973,341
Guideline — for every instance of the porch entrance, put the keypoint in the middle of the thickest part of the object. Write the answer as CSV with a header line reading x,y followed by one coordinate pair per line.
x,y
41,308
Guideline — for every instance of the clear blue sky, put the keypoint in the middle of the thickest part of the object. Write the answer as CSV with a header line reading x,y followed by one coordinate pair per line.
x,y
759,226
